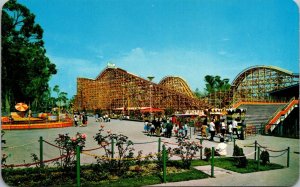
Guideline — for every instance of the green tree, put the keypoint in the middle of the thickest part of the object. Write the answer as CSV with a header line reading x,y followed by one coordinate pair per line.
x,y
210,83
61,100
199,94
25,68
215,83
57,90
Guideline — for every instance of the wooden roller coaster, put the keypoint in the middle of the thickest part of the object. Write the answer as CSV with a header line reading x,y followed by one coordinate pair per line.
x,y
256,82
115,88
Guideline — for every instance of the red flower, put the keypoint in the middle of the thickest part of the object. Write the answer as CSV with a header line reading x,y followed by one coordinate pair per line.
x,y
83,136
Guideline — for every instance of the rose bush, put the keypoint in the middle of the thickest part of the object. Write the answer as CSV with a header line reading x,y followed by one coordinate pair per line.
x,y
67,148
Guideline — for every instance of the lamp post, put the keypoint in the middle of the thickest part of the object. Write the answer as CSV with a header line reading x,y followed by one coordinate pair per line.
x,y
150,87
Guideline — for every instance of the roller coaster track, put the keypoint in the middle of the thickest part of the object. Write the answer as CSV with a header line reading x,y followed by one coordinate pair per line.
x,y
115,87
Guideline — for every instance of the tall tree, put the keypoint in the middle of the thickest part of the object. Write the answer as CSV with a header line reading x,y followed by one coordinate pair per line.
x,y
25,68
215,83
210,83
199,94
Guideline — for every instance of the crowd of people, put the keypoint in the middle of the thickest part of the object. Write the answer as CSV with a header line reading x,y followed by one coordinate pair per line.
x,y
80,119
223,129
104,118
165,128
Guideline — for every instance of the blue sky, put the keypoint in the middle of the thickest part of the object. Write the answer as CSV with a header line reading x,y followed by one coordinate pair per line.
x,y
186,38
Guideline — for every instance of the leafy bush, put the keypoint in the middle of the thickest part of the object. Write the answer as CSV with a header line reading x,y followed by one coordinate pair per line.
x,y
265,157
159,157
67,148
35,159
4,158
125,152
186,150
240,158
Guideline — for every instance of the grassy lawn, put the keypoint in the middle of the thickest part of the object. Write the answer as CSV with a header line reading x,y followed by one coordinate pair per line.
x,y
229,164
152,179
56,176
90,177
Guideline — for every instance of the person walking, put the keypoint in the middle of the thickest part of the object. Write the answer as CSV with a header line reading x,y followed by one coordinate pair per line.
x,y
212,130
223,127
76,120
203,131
234,128
185,128
169,128
230,131
152,129
84,120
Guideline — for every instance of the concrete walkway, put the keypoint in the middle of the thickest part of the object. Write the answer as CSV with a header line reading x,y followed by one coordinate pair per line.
x,y
21,143
281,177
217,171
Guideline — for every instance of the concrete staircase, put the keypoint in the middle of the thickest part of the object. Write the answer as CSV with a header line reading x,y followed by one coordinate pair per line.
x,y
258,114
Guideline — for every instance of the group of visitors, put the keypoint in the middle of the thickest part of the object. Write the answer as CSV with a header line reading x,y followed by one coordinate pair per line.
x,y
165,128
222,128
80,119
104,118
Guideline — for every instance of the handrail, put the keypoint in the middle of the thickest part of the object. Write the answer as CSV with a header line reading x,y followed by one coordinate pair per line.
x,y
284,110
279,109
256,102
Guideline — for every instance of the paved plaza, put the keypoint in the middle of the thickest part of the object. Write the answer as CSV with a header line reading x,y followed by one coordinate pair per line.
x,y
21,143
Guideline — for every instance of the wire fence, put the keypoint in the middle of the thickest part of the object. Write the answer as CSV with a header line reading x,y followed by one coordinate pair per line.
x,y
87,151
161,154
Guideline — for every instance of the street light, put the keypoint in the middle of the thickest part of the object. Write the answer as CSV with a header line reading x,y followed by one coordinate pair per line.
x,y
150,87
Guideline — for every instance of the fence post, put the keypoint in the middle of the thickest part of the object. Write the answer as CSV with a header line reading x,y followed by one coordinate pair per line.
x,y
112,148
159,144
201,148
41,152
164,164
255,148
288,157
212,161
78,165
258,158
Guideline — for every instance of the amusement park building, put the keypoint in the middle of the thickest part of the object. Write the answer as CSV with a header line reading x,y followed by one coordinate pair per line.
x,y
117,89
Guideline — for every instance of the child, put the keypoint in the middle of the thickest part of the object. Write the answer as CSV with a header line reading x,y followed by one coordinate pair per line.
x,y
152,129
203,131
145,127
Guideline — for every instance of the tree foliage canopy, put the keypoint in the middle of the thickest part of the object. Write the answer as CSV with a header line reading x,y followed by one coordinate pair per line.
x,y
26,70
215,83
